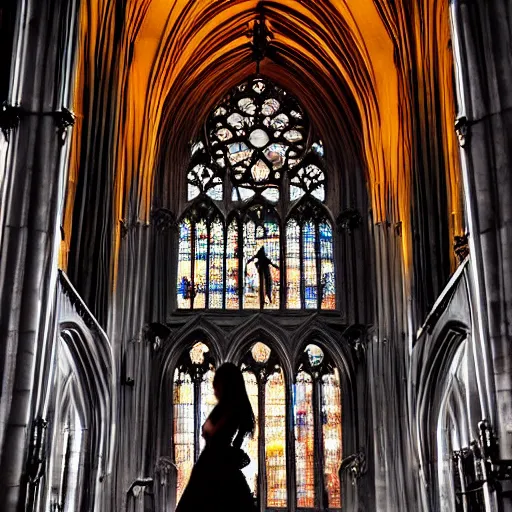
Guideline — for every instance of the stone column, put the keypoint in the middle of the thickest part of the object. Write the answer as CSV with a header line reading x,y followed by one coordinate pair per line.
x,y
35,120
483,58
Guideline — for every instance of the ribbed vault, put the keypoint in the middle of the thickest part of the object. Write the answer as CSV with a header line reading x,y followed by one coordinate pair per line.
x,y
366,71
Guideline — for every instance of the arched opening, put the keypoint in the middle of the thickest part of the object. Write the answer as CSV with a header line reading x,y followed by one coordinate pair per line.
x,y
296,449
257,189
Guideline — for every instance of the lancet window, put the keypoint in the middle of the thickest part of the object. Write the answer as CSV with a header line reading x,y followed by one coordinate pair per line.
x,y
193,400
310,400
257,165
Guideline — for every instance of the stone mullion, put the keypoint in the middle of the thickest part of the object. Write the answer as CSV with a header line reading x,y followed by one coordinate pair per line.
x,y
318,444
208,254
241,270
30,226
197,413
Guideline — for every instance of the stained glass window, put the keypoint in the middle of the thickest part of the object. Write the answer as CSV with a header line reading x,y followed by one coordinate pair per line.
x,y
216,265
205,176
261,250
208,400
293,265
275,440
251,443
315,408
310,277
192,378
232,297
304,440
200,279
317,382
185,264
327,266
183,428
256,142
256,134
200,263
331,420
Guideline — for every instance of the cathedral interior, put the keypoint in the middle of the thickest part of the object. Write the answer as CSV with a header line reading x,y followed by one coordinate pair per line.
x,y
319,191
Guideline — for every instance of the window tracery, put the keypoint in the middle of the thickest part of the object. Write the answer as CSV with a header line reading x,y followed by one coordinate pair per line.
x,y
313,405
257,144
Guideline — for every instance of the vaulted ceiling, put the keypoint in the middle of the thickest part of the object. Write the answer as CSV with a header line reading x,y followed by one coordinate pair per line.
x,y
374,76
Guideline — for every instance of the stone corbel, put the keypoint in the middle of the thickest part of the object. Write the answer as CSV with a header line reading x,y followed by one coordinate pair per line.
x,y
356,336
64,119
496,469
165,469
461,247
163,220
349,219
354,465
140,485
462,130
9,118
155,333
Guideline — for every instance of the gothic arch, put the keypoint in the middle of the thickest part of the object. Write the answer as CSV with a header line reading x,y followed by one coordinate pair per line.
x,y
174,347
267,332
82,404
433,389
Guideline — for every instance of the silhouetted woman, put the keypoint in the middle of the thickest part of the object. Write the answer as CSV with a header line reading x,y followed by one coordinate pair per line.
x,y
217,483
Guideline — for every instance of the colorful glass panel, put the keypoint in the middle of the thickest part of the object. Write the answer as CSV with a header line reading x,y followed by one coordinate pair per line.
x,y
197,353
275,440
247,130
293,265
331,424
183,398
304,440
184,284
208,400
260,352
251,277
200,262
251,443
315,355
310,275
216,265
327,266
232,298
256,237
309,179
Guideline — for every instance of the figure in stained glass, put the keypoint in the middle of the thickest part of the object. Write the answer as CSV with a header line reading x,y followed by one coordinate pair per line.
x,y
263,264
256,174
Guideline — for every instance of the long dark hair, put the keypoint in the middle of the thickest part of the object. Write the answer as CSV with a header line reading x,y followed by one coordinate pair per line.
x,y
230,384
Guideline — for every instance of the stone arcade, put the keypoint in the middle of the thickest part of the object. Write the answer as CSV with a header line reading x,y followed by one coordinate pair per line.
x,y
319,191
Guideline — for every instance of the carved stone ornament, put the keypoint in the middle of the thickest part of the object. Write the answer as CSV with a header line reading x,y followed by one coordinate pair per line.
x,y
261,37
357,337
461,247
64,119
155,333
163,219
37,451
165,468
355,465
139,486
349,219
9,118
462,131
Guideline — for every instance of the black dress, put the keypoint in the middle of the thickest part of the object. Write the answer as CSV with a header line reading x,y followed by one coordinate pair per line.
x,y
217,483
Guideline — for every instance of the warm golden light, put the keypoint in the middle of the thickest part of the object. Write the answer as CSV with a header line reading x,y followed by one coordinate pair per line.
x,y
346,62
